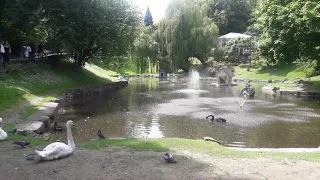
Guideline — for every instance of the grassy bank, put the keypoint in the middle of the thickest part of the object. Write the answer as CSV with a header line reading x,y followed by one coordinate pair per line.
x,y
276,73
36,84
289,72
195,146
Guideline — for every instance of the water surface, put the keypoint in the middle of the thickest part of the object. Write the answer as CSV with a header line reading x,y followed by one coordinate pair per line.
x,y
148,108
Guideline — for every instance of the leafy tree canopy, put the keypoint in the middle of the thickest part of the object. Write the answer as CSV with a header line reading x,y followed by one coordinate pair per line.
x,y
291,29
230,15
186,32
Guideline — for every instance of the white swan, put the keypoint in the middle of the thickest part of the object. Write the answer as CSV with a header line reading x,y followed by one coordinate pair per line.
x,y
58,149
3,134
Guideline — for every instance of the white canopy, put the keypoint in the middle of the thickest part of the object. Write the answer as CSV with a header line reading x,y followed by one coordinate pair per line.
x,y
234,36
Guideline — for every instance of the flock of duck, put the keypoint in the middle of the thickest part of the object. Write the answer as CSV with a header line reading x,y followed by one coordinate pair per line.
x,y
58,150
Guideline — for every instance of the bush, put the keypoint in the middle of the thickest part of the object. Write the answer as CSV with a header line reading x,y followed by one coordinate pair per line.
x,y
308,67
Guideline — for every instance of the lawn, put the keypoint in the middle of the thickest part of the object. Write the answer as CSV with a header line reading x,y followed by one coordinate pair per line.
x,y
196,146
275,73
35,82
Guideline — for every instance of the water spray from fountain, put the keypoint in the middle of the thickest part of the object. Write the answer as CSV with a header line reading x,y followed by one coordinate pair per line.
x,y
194,78
241,103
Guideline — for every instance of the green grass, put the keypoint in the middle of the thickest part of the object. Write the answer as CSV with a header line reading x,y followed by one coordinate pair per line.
x,y
196,146
15,137
25,82
276,73
110,66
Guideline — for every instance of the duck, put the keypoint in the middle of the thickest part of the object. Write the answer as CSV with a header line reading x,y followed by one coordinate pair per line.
x,y
100,135
217,119
22,144
13,131
169,158
3,134
57,127
58,150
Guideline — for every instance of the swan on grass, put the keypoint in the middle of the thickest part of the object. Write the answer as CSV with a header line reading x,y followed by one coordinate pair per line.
x,y
58,149
3,134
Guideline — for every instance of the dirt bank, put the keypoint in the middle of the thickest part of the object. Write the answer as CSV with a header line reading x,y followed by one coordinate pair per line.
x,y
123,163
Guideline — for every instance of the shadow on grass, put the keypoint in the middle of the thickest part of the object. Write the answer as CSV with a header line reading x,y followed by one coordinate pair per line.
x,y
24,82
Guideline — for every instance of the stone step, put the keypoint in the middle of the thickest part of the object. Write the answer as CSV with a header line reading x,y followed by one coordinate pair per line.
x,y
29,128
45,110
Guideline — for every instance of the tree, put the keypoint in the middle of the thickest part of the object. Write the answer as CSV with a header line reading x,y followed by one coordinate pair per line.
x,y
146,49
231,15
186,32
148,20
88,28
20,23
290,30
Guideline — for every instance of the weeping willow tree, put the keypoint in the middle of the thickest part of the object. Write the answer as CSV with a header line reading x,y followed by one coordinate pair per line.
x,y
186,32
146,50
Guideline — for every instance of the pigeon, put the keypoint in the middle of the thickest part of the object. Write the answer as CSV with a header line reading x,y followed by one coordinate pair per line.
x,y
13,131
31,156
168,158
22,144
100,135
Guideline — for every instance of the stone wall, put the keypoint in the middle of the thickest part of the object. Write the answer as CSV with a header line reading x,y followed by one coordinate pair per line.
x,y
72,95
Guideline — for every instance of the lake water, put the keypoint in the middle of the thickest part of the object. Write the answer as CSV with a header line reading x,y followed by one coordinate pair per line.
x,y
149,108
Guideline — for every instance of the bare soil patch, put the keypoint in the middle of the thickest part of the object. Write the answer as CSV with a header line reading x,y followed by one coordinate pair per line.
x,y
123,163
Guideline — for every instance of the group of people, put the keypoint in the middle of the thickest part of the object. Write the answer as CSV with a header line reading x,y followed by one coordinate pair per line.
x,y
31,50
5,51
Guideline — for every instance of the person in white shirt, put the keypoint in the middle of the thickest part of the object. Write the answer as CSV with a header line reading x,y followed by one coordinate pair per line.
x,y
1,50
27,51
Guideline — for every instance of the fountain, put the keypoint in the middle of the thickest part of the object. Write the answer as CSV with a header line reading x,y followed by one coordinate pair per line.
x,y
242,99
194,78
193,83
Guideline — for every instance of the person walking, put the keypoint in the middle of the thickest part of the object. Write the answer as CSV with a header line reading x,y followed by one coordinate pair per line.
x,y
1,54
7,52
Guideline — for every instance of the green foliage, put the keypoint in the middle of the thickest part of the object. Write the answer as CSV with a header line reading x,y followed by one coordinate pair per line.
x,y
145,49
19,23
290,29
87,28
308,67
186,32
233,50
148,20
118,64
231,15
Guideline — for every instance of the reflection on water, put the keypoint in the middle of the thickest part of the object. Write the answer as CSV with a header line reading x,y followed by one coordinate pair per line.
x,y
150,109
